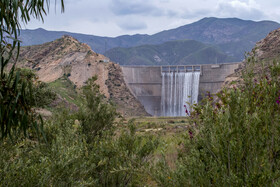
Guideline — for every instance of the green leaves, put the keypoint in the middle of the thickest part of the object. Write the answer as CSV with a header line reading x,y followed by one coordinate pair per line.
x,y
117,158
98,115
16,92
238,140
17,100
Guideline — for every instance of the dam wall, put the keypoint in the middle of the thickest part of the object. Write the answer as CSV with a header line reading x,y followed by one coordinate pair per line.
x,y
145,82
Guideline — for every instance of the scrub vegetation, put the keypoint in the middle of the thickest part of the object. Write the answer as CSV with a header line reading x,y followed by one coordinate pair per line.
x,y
234,139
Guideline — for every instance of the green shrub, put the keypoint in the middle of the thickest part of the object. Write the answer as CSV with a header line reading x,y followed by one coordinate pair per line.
x,y
42,93
124,160
83,149
68,160
16,114
18,97
234,142
98,115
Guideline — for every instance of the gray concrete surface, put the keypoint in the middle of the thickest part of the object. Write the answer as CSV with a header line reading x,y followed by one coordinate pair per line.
x,y
145,81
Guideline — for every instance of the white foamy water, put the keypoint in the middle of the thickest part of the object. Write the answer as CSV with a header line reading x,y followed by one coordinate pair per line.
x,y
178,89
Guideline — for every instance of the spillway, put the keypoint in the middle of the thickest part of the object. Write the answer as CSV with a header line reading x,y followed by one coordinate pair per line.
x,y
147,82
179,91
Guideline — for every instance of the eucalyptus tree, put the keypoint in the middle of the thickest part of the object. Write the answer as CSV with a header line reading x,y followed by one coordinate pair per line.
x,y
16,114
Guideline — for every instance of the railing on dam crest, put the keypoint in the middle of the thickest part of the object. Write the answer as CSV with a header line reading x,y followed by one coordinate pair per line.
x,y
181,68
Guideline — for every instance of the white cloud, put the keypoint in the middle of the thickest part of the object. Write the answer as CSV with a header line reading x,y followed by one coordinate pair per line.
x,y
131,24
242,9
135,7
118,17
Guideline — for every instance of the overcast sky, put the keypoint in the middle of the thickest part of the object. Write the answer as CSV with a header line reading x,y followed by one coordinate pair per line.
x,y
119,17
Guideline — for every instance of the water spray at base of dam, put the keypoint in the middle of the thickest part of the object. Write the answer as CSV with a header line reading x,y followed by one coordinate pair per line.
x,y
179,91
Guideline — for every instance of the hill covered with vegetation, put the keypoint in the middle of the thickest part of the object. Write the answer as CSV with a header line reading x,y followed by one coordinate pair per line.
x,y
181,52
232,35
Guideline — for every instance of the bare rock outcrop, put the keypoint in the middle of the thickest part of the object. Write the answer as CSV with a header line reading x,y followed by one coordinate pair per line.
x,y
68,57
264,52
269,47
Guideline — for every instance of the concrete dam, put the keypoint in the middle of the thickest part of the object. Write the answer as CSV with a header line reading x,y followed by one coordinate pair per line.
x,y
170,90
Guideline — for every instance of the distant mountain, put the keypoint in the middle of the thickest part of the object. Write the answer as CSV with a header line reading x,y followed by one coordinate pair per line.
x,y
97,43
180,52
231,35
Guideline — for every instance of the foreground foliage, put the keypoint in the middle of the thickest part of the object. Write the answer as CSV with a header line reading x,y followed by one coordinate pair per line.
x,y
79,149
16,115
236,141
70,160
20,94
77,153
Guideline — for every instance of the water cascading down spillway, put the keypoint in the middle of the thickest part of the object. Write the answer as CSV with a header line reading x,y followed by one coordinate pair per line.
x,y
179,92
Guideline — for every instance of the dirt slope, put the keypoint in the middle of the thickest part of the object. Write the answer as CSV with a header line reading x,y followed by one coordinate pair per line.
x,y
67,56
264,52
269,47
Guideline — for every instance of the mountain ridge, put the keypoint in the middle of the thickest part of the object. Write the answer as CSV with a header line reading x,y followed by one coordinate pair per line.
x,y
233,36
181,52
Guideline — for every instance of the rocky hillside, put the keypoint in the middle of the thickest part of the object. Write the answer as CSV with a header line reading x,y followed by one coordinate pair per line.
x,y
265,52
67,57
231,35
268,48
182,52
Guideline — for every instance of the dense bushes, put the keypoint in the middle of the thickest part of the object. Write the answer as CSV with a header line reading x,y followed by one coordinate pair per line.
x,y
77,153
236,140
16,95
20,94
96,110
